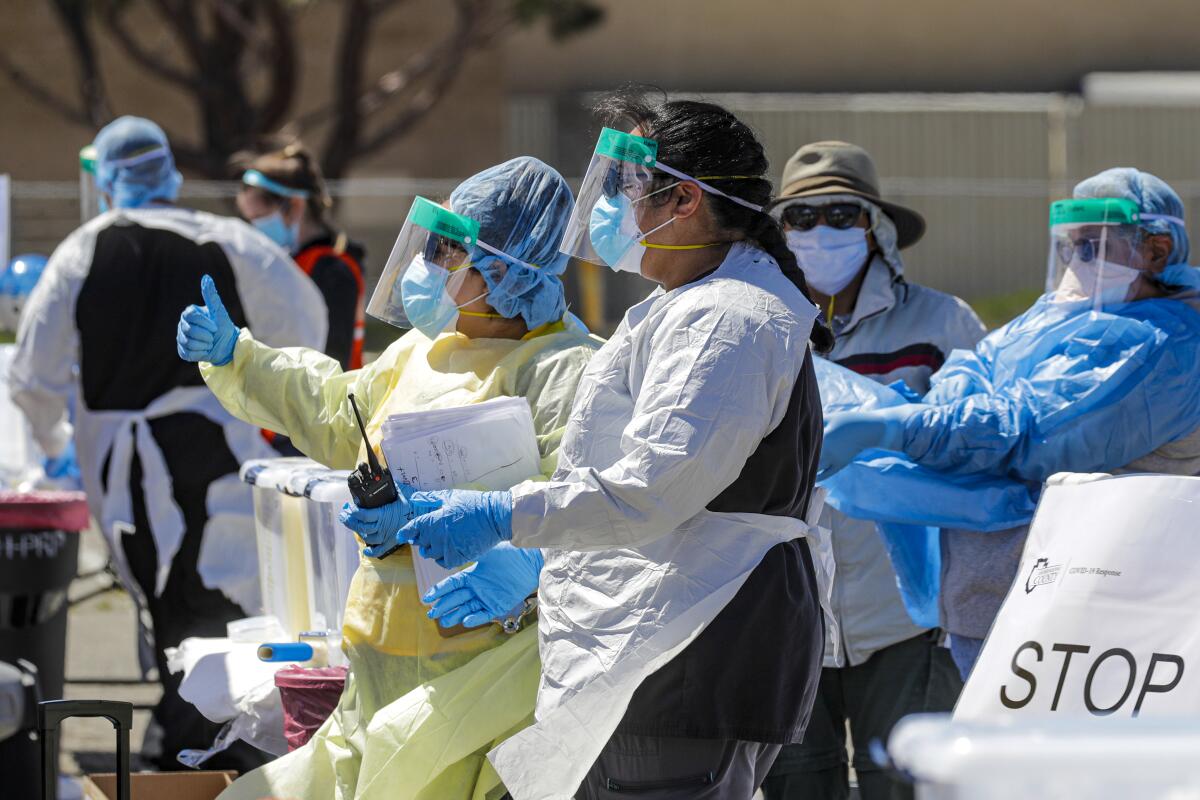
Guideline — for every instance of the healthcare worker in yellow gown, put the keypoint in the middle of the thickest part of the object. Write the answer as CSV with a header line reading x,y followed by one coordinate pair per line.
x,y
477,281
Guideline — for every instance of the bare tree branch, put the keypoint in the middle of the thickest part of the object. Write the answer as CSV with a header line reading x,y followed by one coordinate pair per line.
x,y
92,95
227,48
472,25
476,27
190,157
277,49
41,93
180,16
233,18
343,140
112,16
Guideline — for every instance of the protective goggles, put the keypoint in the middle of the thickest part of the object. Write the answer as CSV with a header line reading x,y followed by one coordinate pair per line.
x,y
622,168
422,282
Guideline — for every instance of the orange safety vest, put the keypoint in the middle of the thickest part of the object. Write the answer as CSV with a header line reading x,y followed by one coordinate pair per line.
x,y
307,259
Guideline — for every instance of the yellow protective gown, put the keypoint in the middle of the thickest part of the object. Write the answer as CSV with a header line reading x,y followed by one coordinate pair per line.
x,y
397,654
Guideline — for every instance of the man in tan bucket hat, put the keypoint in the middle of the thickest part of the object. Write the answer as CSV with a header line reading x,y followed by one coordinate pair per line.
x,y
847,240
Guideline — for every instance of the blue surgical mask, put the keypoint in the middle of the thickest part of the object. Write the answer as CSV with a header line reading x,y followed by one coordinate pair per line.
x,y
830,258
426,300
278,231
610,235
615,235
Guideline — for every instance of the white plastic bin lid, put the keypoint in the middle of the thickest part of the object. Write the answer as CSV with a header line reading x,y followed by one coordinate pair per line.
x,y
328,488
278,473
324,485
933,748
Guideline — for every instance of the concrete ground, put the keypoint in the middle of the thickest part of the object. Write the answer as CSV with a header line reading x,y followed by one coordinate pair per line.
x,y
101,649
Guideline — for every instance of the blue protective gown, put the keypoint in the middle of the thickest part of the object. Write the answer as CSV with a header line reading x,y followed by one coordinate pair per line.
x,y
1058,389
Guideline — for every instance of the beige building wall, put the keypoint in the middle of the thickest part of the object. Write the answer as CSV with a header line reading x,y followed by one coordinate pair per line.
x,y
862,45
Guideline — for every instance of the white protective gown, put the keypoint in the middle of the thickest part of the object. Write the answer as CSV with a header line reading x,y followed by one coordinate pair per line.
x,y
282,307
666,415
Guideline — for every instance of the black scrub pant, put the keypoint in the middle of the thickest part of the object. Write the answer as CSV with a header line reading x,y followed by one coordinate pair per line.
x,y
910,677
196,454
672,768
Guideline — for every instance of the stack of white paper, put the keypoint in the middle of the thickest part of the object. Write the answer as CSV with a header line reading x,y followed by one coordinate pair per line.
x,y
490,445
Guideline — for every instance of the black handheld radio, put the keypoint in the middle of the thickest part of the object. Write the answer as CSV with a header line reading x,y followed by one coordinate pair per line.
x,y
371,485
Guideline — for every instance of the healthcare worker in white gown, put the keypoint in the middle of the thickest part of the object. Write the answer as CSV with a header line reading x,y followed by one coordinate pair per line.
x,y
96,367
681,626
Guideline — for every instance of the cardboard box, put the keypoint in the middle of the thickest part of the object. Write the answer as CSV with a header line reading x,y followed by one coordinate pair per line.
x,y
160,785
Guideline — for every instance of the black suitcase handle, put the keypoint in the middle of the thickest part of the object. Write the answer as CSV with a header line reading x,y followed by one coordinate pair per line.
x,y
51,714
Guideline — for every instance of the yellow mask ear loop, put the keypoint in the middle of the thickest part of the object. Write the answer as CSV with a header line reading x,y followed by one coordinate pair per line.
x,y
829,313
679,246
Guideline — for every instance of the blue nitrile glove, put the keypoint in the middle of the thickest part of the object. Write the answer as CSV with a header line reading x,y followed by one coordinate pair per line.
x,y
63,466
455,526
375,526
488,589
849,433
206,333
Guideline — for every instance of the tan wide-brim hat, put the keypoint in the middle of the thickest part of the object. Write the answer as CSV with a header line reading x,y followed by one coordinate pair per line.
x,y
825,168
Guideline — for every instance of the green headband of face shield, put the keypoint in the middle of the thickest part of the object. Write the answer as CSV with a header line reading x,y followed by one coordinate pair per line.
x,y
87,159
1103,211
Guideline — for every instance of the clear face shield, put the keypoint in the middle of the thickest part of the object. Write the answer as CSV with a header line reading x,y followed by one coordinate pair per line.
x,y
89,195
1096,254
422,285
604,227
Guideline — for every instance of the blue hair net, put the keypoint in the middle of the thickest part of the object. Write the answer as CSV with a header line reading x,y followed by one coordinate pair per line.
x,y
134,164
1153,196
522,207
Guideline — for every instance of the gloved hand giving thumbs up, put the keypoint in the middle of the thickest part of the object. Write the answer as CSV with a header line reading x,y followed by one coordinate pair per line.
x,y
206,333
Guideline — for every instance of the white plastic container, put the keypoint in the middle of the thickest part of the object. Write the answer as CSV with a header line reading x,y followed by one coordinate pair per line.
x,y
1052,759
306,556
333,548
255,630
282,539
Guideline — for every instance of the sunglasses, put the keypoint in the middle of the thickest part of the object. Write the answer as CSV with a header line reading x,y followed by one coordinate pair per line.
x,y
836,215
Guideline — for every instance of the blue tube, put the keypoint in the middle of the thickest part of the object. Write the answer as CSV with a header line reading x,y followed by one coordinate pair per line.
x,y
285,651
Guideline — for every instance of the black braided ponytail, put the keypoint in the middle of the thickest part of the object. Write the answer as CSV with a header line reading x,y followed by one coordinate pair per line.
x,y
708,142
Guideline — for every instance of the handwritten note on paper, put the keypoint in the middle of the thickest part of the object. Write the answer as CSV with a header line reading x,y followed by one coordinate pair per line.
x,y
490,445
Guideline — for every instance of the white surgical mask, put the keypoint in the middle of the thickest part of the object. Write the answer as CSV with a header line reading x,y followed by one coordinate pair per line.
x,y
830,258
1099,281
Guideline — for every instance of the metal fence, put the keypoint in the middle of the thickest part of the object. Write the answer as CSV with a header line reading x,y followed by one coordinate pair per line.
x,y
981,168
